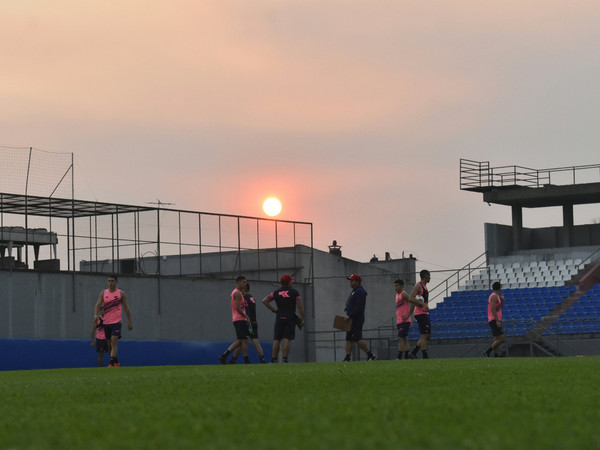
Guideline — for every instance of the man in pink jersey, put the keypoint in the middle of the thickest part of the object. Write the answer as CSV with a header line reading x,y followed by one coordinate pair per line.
x,y
240,321
253,335
113,301
420,293
494,314
404,309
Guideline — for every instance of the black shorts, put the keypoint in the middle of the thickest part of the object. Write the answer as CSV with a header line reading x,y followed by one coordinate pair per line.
x,y
424,323
403,329
112,329
355,333
241,329
254,333
495,330
284,329
101,345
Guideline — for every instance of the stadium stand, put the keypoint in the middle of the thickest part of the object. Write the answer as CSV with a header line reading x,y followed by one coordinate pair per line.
x,y
463,315
523,275
550,276
582,317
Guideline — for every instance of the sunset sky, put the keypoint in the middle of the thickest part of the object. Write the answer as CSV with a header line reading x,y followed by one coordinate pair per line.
x,y
355,114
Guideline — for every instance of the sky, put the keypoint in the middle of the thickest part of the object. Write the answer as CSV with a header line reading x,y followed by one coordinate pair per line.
x,y
355,114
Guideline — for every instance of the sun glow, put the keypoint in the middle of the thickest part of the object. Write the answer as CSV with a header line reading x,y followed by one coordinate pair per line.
x,y
272,206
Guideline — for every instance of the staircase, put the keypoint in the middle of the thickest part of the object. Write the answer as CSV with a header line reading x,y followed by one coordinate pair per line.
x,y
536,333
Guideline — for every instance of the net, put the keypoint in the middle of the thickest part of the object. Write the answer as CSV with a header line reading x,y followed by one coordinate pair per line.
x,y
36,172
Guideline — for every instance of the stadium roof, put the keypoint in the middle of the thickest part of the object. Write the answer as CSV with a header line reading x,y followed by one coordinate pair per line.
x,y
527,197
531,188
60,207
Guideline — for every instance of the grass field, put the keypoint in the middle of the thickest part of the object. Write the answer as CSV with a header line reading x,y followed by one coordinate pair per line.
x,y
433,404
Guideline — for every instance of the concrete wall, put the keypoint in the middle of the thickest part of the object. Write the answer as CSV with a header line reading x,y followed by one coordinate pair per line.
x,y
498,238
332,289
60,305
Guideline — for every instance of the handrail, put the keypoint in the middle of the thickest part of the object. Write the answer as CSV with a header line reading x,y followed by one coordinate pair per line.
x,y
589,258
388,332
479,174
469,268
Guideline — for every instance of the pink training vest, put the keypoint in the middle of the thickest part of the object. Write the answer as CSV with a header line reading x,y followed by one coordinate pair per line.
x,y
402,308
498,307
112,306
99,331
236,316
424,291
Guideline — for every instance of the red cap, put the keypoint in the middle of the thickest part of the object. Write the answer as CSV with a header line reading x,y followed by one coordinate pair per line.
x,y
286,279
354,277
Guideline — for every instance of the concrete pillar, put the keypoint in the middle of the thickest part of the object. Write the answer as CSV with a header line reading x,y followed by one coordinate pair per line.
x,y
568,224
517,226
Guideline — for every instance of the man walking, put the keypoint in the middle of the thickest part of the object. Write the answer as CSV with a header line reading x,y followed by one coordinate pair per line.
x,y
420,293
287,299
240,320
494,314
355,310
252,329
404,309
112,301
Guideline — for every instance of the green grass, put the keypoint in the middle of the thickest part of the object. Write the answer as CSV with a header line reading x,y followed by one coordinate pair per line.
x,y
508,403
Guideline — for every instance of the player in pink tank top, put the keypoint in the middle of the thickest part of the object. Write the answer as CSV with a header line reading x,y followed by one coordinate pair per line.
x,y
404,309
113,301
494,314
240,321
421,294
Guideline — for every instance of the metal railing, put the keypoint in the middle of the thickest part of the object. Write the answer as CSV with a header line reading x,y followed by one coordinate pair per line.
x,y
476,175
549,340
458,276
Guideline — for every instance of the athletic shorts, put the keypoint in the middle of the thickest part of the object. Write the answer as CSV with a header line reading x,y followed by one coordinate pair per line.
x,y
101,345
495,330
284,329
254,333
403,329
241,329
355,333
112,329
424,323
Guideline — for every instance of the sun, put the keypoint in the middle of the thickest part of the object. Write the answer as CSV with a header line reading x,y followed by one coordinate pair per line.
x,y
272,206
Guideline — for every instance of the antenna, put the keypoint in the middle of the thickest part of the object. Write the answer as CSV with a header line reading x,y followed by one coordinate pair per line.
x,y
159,203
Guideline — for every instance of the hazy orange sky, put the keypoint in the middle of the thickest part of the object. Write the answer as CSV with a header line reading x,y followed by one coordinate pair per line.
x,y
355,114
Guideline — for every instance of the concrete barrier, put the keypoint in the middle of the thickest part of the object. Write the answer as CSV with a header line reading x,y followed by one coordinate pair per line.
x,y
33,354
